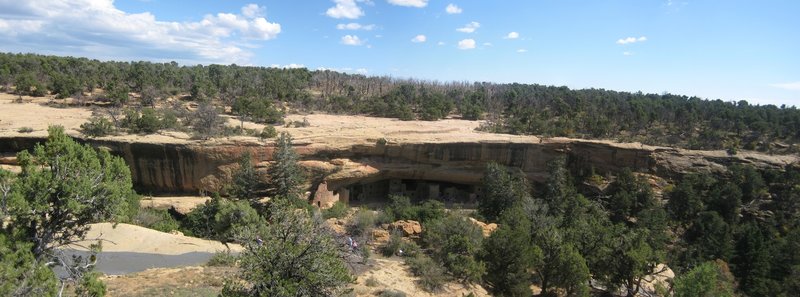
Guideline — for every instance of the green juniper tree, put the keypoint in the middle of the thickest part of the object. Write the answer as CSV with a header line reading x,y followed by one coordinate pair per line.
x,y
63,187
298,257
285,174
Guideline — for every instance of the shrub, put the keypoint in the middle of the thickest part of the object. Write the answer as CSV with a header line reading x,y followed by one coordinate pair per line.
x,y
431,274
268,132
392,293
401,208
338,210
222,259
362,222
224,220
97,127
396,244
25,130
156,219
456,242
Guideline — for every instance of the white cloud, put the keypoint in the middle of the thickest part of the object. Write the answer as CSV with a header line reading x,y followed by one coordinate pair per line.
x,y
469,28
440,43
288,66
419,39
409,3
345,9
252,10
355,26
466,44
522,50
363,71
352,40
792,86
98,29
629,40
512,35
453,9
488,44
627,53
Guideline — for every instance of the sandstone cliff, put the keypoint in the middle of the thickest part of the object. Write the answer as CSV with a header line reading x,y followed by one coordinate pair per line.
x,y
194,166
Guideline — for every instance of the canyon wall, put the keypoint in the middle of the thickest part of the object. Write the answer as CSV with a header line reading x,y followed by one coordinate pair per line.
x,y
193,167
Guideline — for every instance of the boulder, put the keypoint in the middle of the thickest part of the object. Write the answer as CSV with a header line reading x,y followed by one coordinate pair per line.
x,y
337,225
380,236
487,229
408,227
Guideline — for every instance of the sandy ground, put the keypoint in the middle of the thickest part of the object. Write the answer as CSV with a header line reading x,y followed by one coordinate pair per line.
x,y
184,281
181,204
393,274
325,130
135,239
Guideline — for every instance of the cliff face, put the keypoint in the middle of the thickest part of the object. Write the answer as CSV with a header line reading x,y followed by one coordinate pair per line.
x,y
194,167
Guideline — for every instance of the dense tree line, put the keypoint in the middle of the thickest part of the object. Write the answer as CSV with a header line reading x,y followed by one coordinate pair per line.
x,y
260,94
736,233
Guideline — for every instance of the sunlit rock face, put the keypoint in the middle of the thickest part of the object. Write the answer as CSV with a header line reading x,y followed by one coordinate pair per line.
x,y
201,167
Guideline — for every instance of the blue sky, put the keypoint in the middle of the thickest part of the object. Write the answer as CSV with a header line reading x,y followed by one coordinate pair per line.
x,y
726,49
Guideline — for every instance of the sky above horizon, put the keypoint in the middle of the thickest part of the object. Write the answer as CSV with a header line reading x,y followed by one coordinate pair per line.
x,y
716,49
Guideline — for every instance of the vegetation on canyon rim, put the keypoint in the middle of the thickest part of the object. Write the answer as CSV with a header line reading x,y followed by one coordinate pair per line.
x,y
263,95
734,233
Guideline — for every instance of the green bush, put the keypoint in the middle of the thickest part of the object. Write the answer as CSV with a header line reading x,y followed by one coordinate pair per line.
x,y
401,208
362,222
268,132
455,242
396,244
224,220
156,219
338,210
431,274
97,127
222,259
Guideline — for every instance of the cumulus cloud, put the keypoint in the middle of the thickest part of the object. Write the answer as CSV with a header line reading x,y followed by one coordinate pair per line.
x,y
98,29
352,40
630,40
469,28
792,86
345,9
252,10
627,53
453,9
409,3
512,35
522,50
440,43
488,44
466,44
419,39
355,26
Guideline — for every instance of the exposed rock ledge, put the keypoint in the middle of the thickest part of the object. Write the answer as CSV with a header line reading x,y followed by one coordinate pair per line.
x,y
343,150
193,167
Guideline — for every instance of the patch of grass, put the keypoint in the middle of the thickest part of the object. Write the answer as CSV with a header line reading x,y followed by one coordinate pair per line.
x,y
222,259
338,210
25,130
392,293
